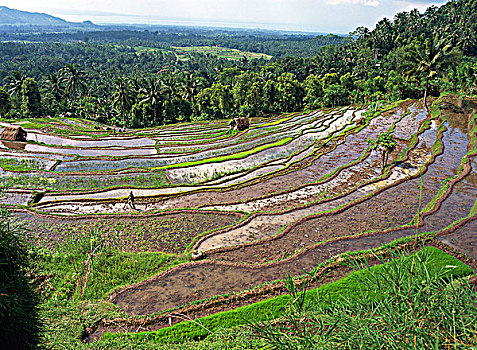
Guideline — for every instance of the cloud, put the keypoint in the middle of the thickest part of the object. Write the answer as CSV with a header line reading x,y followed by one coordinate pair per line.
x,y
372,3
337,16
428,2
421,5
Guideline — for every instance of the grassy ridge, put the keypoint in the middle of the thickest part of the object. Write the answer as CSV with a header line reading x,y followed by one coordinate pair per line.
x,y
276,122
326,295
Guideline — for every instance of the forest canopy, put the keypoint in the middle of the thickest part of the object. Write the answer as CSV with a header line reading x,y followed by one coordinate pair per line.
x,y
137,79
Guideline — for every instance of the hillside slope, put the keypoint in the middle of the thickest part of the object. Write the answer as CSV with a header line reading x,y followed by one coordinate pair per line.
x,y
12,17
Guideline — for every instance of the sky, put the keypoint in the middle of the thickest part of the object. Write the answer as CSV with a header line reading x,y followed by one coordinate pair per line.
x,y
331,16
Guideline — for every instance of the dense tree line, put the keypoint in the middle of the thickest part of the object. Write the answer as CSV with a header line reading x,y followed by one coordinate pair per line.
x,y
278,45
412,56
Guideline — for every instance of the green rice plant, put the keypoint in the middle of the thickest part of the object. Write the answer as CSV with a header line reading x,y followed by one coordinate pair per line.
x,y
239,155
12,164
301,311
403,303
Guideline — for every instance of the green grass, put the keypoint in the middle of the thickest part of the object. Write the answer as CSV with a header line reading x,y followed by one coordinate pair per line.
x,y
63,183
74,293
62,127
283,120
408,303
19,164
327,295
221,52
88,265
109,271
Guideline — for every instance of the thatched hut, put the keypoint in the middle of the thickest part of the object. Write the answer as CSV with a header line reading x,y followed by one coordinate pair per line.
x,y
240,124
13,133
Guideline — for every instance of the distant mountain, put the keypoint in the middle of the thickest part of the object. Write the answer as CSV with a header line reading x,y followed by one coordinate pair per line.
x,y
12,17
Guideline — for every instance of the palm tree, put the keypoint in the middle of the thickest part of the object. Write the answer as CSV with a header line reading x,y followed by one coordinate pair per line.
x,y
152,92
74,80
415,20
53,85
429,58
169,85
15,82
190,86
121,97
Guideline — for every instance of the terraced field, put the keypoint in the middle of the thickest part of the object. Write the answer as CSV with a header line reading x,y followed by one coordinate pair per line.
x,y
288,193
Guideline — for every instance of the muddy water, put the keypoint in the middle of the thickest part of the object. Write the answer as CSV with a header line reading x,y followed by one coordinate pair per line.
x,y
15,198
248,139
267,225
347,178
112,152
343,154
204,281
456,205
332,161
190,131
291,198
166,159
116,193
205,171
103,165
70,208
464,239
464,194
202,172
105,142
411,122
238,178
390,208
221,149
209,144
368,169
393,207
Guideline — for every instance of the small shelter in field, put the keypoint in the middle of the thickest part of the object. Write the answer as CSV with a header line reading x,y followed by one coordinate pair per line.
x,y
13,133
240,124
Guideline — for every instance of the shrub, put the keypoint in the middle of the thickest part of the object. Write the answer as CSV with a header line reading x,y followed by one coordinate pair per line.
x,y
18,301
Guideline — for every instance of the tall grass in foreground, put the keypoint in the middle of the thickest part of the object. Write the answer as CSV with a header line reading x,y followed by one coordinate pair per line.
x,y
19,322
404,304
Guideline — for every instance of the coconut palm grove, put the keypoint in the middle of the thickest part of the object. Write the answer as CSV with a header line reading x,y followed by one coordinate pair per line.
x,y
173,187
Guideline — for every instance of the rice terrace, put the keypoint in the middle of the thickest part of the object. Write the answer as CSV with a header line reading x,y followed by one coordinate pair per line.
x,y
291,192
287,193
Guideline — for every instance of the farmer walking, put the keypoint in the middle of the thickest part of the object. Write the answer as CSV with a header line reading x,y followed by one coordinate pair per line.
x,y
131,200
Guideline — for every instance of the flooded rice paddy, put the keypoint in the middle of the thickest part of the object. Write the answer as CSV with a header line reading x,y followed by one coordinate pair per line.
x,y
288,193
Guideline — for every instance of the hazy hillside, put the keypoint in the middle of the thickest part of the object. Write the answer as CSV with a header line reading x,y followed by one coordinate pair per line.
x,y
16,17
12,17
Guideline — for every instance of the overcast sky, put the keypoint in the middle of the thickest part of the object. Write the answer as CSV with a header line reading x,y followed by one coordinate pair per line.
x,y
336,16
